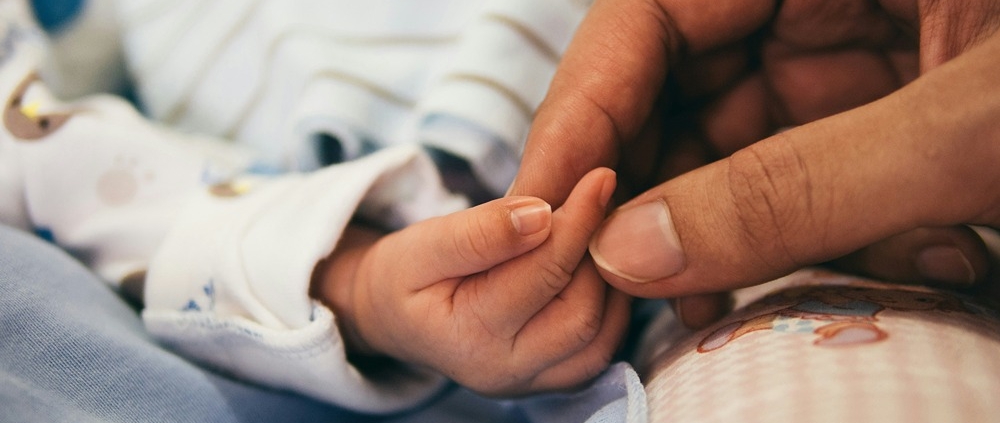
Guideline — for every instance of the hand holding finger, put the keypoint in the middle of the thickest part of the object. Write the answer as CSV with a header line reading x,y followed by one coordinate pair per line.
x,y
507,296
818,191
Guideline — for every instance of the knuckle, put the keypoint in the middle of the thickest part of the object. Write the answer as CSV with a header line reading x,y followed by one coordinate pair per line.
x,y
554,275
774,200
586,324
473,244
477,303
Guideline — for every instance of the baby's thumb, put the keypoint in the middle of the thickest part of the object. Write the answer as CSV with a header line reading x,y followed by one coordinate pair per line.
x,y
473,240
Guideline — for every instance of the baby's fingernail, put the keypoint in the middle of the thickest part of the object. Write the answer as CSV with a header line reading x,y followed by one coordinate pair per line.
x,y
607,190
532,217
944,263
639,244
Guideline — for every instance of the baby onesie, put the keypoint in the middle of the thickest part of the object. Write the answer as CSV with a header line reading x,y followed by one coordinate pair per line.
x,y
226,253
289,77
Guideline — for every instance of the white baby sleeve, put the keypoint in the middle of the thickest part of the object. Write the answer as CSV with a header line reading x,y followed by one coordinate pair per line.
x,y
92,176
230,285
232,257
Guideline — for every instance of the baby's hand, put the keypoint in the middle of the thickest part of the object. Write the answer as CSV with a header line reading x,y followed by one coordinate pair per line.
x,y
498,297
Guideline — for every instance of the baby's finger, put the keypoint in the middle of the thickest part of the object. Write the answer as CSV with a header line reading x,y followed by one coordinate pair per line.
x,y
507,296
592,359
566,324
571,323
473,240
566,344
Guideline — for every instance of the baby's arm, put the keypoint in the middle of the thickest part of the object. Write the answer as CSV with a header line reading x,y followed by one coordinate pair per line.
x,y
497,297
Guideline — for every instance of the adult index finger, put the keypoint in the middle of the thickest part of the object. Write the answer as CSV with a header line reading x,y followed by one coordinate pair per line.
x,y
613,71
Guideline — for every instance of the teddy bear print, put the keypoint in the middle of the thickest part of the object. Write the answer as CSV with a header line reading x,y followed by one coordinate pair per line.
x,y
24,118
120,183
835,315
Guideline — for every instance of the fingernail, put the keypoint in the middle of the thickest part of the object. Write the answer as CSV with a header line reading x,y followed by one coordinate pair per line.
x,y
639,244
945,264
607,190
531,218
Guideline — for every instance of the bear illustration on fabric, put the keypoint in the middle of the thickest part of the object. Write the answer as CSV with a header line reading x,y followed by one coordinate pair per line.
x,y
27,118
24,119
838,315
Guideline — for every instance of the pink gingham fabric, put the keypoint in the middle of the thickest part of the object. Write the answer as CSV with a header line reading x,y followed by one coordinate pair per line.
x,y
829,348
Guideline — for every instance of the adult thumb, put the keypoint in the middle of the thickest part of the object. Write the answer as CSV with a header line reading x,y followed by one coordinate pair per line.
x,y
918,157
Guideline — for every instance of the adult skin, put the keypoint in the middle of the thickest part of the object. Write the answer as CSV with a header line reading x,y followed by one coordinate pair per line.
x,y
895,106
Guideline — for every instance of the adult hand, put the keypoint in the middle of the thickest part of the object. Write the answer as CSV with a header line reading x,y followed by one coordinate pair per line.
x,y
898,159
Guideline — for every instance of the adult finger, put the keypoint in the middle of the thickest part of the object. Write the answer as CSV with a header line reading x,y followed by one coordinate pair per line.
x,y
507,296
952,256
794,89
700,310
923,156
609,79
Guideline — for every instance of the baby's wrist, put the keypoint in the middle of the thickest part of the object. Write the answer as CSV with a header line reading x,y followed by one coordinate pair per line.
x,y
334,283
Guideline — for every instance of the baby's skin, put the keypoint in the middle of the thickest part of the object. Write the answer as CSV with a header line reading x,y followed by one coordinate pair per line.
x,y
502,297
